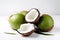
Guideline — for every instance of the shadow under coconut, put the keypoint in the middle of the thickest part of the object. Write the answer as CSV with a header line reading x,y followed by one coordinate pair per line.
x,y
34,35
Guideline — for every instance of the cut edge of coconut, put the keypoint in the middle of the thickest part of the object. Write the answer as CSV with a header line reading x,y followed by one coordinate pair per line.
x,y
32,15
26,29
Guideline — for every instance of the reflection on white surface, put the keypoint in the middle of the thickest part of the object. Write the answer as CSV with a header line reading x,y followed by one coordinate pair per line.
x,y
5,27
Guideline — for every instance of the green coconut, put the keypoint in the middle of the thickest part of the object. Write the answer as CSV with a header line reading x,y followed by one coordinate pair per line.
x,y
46,23
17,19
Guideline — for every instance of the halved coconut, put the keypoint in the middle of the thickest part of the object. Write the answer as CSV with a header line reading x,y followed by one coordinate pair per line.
x,y
33,15
26,29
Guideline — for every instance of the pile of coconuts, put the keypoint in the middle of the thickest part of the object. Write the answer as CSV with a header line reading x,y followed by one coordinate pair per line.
x,y
27,22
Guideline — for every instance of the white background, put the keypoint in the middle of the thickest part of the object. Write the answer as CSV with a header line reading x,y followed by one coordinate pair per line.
x,y
8,7
45,6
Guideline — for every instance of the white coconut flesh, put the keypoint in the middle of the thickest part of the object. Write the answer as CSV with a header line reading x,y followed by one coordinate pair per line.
x,y
25,28
31,16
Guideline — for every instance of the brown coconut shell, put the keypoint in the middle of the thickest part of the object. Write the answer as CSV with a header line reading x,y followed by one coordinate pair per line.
x,y
26,34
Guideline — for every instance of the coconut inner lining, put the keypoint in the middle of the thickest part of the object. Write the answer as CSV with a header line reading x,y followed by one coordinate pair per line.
x,y
24,28
31,16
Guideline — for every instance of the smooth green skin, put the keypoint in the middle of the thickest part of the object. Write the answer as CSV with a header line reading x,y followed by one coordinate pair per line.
x,y
16,21
46,22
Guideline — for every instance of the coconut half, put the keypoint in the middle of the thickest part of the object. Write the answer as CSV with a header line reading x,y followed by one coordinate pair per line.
x,y
33,15
26,29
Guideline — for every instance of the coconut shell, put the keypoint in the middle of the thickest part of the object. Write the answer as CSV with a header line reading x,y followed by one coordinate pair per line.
x,y
37,19
27,34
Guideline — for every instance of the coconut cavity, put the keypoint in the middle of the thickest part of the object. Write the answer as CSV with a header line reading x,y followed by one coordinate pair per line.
x,y
26,29
33,15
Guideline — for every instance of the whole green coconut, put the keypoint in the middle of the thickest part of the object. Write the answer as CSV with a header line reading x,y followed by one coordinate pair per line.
x,y
46,23
17,19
